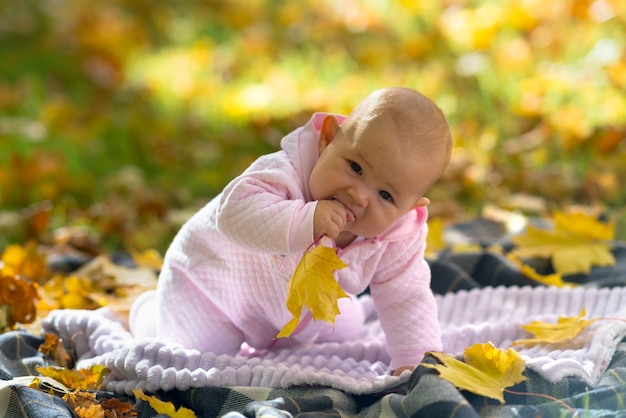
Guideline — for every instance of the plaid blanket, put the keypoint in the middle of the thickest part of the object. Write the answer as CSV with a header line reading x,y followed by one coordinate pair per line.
x,y
425,394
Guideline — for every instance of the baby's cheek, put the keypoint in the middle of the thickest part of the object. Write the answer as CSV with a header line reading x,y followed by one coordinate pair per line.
x,y
375,225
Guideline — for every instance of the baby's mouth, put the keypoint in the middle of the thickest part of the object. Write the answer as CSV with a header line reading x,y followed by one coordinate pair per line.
x,y
350,216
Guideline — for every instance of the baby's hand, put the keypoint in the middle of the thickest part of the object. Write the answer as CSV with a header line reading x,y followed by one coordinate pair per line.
x,y
329,219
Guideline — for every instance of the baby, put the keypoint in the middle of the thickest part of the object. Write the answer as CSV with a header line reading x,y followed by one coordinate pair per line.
x,y
359,180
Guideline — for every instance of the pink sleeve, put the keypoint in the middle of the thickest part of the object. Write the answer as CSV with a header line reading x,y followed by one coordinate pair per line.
x,y
264,208
406,306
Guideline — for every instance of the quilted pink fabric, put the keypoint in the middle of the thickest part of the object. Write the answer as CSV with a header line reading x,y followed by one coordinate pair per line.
x,y
225,276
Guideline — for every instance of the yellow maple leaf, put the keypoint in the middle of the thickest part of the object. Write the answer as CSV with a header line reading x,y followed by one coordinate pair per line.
x,y
84,379
565,329
164,408
576,243
313,286
486,370
553,279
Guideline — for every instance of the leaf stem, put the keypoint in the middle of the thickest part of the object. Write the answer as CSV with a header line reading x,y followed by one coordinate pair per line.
x,y
315,242
543,395
607,318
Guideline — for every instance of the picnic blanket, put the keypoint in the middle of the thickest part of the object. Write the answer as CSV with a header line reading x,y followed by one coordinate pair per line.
x,y
482,297
357,367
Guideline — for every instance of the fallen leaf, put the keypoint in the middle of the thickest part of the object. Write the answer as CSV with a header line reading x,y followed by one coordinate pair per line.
x,y
149,259
91,411
26,261
78,294
486,370
575,244
553,279
108,275
18,301
98,283
84,379
314,286
114,407
565,329
53,348
84,404
164,408
41,382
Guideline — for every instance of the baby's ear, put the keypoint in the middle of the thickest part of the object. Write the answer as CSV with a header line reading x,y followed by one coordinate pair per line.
x,y
422,201
329,130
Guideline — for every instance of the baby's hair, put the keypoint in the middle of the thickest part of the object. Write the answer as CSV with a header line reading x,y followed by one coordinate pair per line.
x,y
415,117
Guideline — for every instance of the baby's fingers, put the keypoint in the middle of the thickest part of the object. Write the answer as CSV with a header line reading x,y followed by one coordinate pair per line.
x,y
330,218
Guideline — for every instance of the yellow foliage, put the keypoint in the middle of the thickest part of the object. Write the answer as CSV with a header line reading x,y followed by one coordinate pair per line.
x,y
565,329
313,286
53,348
149,258
77,293
487,370
83,379
434,240
617,73
554,279
71,292
84,404
24,261
18,300
164,408
575,244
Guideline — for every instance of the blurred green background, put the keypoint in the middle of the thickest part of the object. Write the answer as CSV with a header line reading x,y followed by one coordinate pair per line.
x,y
126,115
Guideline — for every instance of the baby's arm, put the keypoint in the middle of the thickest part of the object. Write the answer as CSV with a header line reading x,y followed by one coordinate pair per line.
x,y
406,306
264,209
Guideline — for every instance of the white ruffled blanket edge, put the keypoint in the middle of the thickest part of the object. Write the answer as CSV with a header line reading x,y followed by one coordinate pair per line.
x,y
358,367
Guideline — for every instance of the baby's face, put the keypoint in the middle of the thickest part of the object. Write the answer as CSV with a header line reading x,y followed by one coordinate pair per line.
x,y
373,175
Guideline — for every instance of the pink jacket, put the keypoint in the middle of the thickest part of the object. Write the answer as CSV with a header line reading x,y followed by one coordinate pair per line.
x,y
238,252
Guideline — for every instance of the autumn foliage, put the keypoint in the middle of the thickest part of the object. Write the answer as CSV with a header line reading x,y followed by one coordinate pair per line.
x,y
119,119
120,114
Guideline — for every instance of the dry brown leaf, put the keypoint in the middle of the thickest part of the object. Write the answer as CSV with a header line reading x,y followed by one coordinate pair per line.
x,y
18,301
53,348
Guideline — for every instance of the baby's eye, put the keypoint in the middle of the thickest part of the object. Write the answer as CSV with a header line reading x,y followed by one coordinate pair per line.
x,y
355,167
385,195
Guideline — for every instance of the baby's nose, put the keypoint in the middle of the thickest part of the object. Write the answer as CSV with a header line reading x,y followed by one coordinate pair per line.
x,y
359,195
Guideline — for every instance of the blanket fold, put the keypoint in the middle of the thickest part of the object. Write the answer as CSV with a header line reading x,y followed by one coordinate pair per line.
x,y
357,367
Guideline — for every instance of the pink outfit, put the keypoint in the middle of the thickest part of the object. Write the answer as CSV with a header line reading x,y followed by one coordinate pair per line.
x,y
225,275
